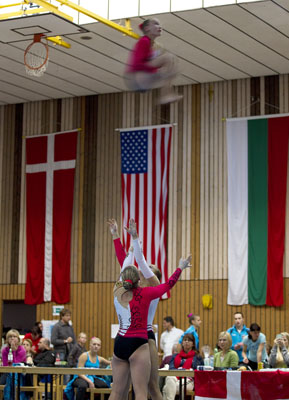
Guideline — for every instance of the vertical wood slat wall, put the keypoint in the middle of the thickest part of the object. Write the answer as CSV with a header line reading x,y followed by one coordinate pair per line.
x,y
197,198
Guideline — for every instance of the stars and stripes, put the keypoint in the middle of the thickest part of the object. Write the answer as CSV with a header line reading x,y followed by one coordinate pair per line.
x,y
145,155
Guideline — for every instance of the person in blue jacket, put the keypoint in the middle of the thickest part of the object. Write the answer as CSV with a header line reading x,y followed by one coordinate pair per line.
x,y
195,322
238,332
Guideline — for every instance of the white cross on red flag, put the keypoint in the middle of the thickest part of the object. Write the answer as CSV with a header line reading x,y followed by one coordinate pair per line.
x,y
50,170
247,385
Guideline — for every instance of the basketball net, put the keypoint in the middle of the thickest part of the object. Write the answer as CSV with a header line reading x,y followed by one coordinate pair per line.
x,y
36,57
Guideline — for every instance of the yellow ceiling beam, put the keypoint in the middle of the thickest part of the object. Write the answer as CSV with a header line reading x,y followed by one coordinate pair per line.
x,y
90,14
11,5
50,7
59,41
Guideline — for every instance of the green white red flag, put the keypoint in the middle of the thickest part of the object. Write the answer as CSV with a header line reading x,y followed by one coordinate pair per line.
x,y
257,177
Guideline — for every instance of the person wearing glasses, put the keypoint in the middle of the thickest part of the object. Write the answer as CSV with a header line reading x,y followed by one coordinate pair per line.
x,y
187,358
226,357
254,350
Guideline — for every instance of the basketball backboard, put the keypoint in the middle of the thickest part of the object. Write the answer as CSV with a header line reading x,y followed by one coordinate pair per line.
x,y
24,28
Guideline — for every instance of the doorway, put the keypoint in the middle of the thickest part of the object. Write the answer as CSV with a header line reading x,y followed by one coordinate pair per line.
x,y
17,315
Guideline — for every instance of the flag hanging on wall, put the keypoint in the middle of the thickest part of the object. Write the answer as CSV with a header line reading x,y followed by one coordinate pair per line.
x,y
257,177
145,157
50,168
237,385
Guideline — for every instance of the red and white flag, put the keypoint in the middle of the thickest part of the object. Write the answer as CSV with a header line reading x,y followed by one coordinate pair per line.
x,y
246,385
50,169
145,157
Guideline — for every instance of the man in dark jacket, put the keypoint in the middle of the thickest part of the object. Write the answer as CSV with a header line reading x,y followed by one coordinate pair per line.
x,y
62,335
46,356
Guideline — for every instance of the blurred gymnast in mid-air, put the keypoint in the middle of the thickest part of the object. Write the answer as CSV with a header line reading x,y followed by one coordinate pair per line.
x,y
150,66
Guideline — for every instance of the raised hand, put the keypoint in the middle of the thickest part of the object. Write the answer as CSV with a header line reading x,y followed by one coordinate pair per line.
x,y
185,262
131,229
113,228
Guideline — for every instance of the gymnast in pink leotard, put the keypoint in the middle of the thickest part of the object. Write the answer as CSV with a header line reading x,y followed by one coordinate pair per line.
x,y
150,67
149,276
131,352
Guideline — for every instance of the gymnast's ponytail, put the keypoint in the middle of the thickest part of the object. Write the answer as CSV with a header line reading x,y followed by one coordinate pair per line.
x,y
130,277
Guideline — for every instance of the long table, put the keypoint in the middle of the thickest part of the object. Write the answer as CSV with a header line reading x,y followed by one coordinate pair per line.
x,y
58,372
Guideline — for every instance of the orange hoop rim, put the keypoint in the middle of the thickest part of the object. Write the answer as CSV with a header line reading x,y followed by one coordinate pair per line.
x,y
36,40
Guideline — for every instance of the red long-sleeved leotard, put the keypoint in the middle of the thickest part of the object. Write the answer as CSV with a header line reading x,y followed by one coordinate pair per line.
x,y
133,318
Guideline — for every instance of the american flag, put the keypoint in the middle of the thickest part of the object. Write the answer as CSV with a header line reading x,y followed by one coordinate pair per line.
x,y
145,157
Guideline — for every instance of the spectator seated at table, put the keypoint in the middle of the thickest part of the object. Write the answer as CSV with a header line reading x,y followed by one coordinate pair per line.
x,y
46,356
226,357
35,336
89,359
188,358
254,346
27,344
18,351
279,356
77,349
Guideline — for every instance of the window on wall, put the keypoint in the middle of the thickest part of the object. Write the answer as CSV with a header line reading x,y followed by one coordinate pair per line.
x,y
123,9
147,7
97,7
211,3
179,5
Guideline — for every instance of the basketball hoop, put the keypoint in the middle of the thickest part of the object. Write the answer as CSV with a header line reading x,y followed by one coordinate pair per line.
x,y
36,57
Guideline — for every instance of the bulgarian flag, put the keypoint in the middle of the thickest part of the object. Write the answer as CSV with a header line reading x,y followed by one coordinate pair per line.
x,y
50,170
237,385
257,175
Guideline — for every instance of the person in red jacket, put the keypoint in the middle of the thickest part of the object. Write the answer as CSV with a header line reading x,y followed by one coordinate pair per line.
x,y
35,335
150,66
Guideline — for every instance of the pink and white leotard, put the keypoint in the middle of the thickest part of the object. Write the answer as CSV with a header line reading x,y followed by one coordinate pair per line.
x,y
133,318
124,260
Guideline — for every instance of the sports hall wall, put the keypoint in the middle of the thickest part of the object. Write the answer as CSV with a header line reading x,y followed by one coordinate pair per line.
x,y
197,199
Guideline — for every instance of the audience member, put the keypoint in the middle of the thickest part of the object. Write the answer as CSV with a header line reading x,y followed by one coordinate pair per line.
x,y
238,331
46,356
188,358
77,349
254,344
170,336
279,356
90,359
62,336
226,357
35,335
167,359
39,325
18,351
27,344
195,322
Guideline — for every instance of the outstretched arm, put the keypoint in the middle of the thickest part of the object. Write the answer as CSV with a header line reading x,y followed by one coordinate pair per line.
x,y
158,291
119,250
145,269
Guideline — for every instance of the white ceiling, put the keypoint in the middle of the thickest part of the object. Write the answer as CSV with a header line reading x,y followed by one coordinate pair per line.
x,y
212,44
